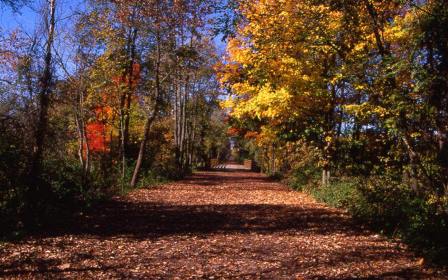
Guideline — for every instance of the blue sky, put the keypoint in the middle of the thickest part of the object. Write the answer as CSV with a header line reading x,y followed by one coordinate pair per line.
x,y
9,20
29,15
29,19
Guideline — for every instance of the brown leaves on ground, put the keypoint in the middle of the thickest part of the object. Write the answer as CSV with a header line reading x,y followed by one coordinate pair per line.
x,y
213,225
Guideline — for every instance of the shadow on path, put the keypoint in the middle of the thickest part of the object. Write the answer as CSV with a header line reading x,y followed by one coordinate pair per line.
x,y
144,237
145,220
141,219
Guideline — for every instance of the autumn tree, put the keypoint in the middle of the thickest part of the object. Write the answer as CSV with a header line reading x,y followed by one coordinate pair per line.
x,y
111,93
361,81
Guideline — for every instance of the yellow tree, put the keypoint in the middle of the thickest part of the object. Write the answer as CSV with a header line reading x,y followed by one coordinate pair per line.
x,y
280,67
303,66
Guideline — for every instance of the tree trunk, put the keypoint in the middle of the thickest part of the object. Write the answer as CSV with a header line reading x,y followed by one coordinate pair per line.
x,y
125,100
35,185
44,96
325,176
149,120
328,150
376,27
131,87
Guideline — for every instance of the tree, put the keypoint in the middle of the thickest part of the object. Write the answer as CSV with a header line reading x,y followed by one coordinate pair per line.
x,y
36,186
15,5
341,68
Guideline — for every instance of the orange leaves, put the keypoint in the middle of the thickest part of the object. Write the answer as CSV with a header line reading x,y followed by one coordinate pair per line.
x,y
251,135
99,131
232,131
125,80
97,138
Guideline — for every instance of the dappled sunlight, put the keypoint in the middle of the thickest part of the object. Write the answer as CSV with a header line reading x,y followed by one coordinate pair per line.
x,y
223,233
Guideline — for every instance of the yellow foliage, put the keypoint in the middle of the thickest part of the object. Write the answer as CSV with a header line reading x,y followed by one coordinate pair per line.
x,y
366,109
279,72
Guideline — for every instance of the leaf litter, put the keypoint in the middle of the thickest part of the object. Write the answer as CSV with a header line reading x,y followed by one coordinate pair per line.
x,y
212,225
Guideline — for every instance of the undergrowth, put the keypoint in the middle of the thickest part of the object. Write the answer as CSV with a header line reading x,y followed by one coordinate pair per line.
x,y
387,206
64,190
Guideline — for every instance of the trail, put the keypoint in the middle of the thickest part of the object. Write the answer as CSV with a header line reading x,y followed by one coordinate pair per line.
x,y
226,224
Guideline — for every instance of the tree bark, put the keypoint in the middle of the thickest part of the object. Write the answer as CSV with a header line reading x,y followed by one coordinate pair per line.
x,y
150,118
36,188
125,99
44,96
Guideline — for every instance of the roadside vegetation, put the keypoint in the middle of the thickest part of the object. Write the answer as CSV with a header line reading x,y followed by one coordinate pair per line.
x,y
348,100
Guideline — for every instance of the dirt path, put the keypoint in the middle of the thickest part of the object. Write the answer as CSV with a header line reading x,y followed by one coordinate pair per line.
x,y
213,225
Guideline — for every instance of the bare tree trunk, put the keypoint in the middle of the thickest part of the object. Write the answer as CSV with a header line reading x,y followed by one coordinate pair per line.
x,y
122,146
84,149
86,141
125,100
191,146
80,140
329,137
131,87
150,119
177,117
35,185
184,127
44,96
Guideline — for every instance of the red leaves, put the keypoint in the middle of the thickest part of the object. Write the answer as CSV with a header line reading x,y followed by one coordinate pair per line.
x,y
124,80
251,135
233,131
96,136
98,132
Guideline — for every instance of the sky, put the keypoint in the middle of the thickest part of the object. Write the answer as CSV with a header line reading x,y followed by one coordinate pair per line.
x,y
29,20
10,20
27,17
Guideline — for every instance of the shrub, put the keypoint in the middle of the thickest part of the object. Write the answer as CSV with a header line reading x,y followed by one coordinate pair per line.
x,y
417,218
340,193
151,178
393,208
301,178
